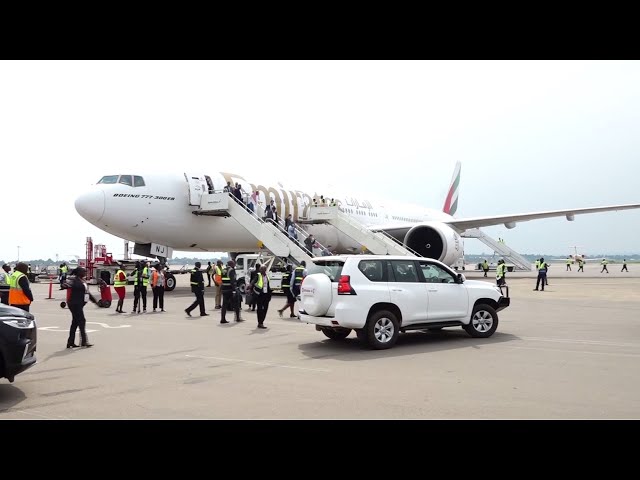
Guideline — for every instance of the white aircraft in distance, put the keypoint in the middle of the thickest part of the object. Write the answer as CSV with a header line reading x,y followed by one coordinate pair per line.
x,y
158,208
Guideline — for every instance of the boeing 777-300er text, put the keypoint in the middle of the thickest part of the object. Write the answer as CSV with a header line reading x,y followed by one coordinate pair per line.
x,y
158,209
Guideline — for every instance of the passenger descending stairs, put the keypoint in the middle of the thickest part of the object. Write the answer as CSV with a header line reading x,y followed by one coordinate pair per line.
x,y
509,254
378,243
271,235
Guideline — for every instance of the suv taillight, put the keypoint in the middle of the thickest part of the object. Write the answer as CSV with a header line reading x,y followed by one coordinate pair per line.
x,y
344,287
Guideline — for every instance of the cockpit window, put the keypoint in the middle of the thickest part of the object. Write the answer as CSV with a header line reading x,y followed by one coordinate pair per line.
x,y
138,181
109,179
126,180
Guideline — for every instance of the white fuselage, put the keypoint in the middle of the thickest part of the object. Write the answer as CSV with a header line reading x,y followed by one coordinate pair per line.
x,y
161,212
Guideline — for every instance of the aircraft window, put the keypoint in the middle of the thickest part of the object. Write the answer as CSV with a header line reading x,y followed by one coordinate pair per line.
x,y
404,271
126,180
109,179
138,181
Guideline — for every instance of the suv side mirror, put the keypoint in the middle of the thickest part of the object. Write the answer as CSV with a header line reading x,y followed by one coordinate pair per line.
x,y
460,278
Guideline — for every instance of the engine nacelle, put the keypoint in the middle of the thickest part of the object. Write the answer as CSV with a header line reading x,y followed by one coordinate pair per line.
x,y
435,240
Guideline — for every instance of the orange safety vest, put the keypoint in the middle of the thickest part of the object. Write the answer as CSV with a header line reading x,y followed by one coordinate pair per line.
x,y
217,278
16,295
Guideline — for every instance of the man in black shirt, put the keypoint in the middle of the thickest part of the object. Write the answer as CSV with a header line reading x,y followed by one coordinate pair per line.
x,y
197,287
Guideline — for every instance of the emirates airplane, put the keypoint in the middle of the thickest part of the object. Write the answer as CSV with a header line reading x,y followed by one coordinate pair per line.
x,y
156,212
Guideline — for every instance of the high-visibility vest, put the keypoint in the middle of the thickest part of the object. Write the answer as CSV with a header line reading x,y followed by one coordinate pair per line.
x,y
135,277
16,295
286,277
217,278
485,266
603,262
543,267
298,272
226,280
500,270
568,261
63,270
145,277
259,282
120,283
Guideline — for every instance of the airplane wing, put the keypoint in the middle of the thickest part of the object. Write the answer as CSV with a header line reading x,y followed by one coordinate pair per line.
x,y
509,221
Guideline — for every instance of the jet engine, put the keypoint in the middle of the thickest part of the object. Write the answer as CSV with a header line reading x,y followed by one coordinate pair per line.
x,y
435,240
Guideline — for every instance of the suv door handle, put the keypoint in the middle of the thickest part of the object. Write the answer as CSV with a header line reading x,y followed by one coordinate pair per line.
x,y
396,290
432,290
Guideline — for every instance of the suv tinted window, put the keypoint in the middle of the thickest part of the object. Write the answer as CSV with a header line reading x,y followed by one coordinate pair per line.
x,y
404,271
435,274
373,270
331,268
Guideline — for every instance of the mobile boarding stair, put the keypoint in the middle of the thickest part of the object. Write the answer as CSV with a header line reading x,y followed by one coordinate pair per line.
x,y
377,242
269,233
510,255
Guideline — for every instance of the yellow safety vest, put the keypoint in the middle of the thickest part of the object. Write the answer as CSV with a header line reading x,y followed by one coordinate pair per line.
x,y
145,277
120,283
16,295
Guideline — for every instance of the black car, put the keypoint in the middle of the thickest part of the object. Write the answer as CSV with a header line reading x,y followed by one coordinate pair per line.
x,y
18,335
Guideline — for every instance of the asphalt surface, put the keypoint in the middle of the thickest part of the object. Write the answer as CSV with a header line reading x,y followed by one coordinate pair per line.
x,y
572,351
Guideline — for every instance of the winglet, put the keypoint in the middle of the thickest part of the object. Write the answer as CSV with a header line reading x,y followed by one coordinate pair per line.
x,y
451,202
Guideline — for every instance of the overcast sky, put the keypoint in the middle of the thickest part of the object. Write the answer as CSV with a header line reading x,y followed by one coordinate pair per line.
x,y
530,135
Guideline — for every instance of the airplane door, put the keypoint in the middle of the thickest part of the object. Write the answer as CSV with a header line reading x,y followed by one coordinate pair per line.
x,y
197,186
447,300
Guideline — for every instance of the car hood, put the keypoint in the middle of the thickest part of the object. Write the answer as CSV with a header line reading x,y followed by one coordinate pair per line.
x,y
7,311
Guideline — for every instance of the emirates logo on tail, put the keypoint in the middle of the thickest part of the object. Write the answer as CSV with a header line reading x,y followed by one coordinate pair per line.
x,y
451,202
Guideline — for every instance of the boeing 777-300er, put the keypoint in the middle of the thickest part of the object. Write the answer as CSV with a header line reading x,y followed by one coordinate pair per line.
x,y
158,209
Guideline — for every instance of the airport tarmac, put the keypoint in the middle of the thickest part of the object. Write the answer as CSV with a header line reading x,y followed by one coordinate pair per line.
x,y
570,352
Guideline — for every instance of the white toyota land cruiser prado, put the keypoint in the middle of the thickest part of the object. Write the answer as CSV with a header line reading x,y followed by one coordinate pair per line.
x,y
379,296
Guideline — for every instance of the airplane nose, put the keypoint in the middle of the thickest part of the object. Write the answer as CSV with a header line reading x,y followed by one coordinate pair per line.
x,y
90,205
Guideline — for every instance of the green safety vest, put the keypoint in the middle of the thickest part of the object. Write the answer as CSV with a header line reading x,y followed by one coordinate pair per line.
x,y
63,270
120,283
500,270
485,266
145,277
543,267
568,261
259,282
135,277
603,262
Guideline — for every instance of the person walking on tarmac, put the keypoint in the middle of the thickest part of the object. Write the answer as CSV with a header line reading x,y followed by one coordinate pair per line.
x,y
580,265
120,285
217,280
136,287
209,270
63,274
501,273
569,261
298,275
262,289
485,267
197,287
542,275
253,276
624,266
604,265
230,293
5,274
80,295
19,289
144,277
158,281
286,288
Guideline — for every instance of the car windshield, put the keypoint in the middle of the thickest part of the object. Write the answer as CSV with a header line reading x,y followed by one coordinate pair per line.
x,y
331,268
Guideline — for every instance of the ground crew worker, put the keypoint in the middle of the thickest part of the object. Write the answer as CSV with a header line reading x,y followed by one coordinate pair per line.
x,y
229,292
217,280
197,287
485,267
20,295
5,274
63,274
263,289
298,276
209,270
144,277
581,265
286,288
569,261
501,273
136,287
120,285
624,266
604,265
542,274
